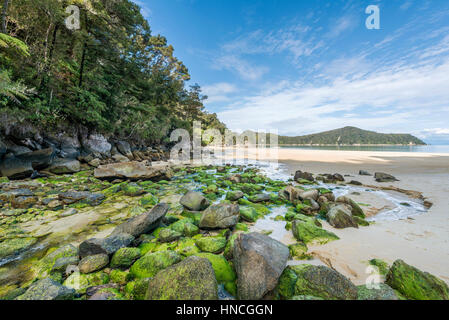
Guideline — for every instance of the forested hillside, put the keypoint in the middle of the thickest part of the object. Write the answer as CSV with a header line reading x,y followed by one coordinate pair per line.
x,y
112,75
351,136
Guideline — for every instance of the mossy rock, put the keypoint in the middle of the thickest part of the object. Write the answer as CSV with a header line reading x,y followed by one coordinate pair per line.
x,y
248,214
241,227
186,227
132,189
223,270
384,292
234,195
14,246
298,251
118,276
381,265
151,263
125,257
148,201
360,221
316,281
155,246
212,244
309,233
186,247
416,284
137,289
168,235
80,282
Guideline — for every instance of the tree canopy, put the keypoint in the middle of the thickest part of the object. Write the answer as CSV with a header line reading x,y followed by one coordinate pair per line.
x,y
112,75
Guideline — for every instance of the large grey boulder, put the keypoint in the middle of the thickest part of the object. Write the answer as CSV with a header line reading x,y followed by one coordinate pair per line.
x,y
316,281
93,263
47,289
194,201
39,159
340,217
259,261
107,245
191,279
384,177
65,166
14,168
97,144
125,149
133,170
220,216
143,223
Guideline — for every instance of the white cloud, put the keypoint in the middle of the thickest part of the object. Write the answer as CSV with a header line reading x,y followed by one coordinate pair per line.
x,y
236,64
219,92
418,94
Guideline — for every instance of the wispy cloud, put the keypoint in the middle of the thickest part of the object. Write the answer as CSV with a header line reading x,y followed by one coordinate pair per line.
x,y
219,92
243,68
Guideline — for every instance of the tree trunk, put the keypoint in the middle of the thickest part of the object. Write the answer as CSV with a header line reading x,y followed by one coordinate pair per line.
x,y
83,55
4,14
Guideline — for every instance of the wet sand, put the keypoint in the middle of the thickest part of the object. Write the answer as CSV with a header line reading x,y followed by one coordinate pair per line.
x,y
422,241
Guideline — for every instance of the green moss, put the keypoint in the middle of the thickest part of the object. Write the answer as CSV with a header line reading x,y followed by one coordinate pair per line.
x,y
80,282
381,265
186,247
360,221
119,276
241,227
13,246
223,270
124,257
148,201
248,214
309,233
137,289
211,244
151,263
298,251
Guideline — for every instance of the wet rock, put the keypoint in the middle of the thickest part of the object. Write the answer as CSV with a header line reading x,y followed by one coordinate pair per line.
x,y
338,177
416,284
133,171
14,168
299,175
309,194
62,263
220,216
259,261
384,292
120,158
309,233
290,193
125,149
194,201
10,247
249,214
93,290
340,217
95,163
39,159
107,245
316,281
23,202
47,289
192,279
356,183
143,223
92,199
384,177
132,190
151,263
93,263
68,213
65,166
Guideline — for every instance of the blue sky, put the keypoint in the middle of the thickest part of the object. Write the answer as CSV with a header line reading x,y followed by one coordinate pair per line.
x,y
301,67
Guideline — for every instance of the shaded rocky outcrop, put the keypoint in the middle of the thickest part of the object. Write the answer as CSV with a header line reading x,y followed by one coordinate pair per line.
x,y
143,223
194,201
133,171
192,279
259,261
416,284
220,216
316,281
47,289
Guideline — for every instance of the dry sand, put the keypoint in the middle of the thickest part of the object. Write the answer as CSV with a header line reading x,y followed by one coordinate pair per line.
x,y
422,242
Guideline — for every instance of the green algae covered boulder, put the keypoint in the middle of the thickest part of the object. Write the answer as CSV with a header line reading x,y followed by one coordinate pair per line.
x,y
125,257
223,271
93,263
132,189
46,264
137,289
381,265
118,276
168,235
416,284
211,244
47,289
309,233
298,251
186,247
148,201
248,214
357,211
191,279
384,292
234,195
80,282
186,227
150,264
14,246
194,201
316,281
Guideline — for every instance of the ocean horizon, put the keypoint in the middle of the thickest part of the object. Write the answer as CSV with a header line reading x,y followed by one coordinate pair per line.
x,y
382,148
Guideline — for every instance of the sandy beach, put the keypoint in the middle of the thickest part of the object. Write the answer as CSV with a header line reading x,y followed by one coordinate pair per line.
x,y
422,241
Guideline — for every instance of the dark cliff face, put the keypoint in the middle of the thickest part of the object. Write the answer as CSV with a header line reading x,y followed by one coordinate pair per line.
x,y
351,136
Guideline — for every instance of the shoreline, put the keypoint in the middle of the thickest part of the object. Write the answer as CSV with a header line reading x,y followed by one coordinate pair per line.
x,y
422,242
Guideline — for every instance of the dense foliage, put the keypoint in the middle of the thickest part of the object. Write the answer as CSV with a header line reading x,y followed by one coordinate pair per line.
x,y
351,136
112,75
